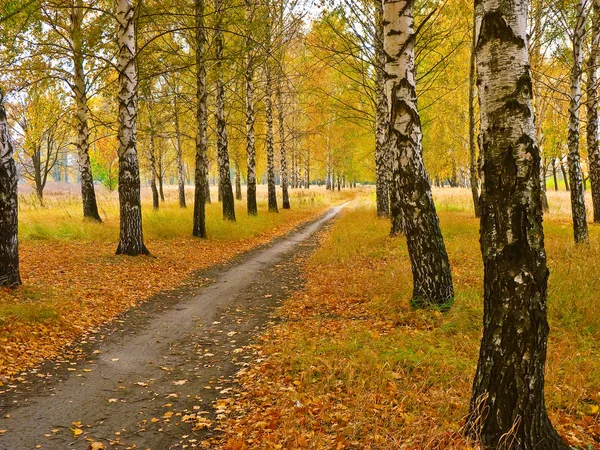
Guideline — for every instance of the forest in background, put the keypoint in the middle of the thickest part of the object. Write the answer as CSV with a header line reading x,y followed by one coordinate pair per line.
x,y
499,100
323,64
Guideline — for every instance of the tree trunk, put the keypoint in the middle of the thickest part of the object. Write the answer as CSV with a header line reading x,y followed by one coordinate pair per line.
x,y
285,202
432,280
131,240
250,119
382,188
473,170
507,408
592,111
207,198
272,195
565,175
88,193
152,160
222,143
238,184
160,173
9,207
201,160
294,175
580,228
543,195
554,174
307,169
535,60
179,152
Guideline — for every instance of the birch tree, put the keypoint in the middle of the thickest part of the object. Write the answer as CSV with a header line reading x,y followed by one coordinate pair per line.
x,y
272,195
131,240
578,210
432,279
178,147
285,200
201,160
151,154
507,406
9,207
250,118
381,117
221,127
473,170
592,111
88,193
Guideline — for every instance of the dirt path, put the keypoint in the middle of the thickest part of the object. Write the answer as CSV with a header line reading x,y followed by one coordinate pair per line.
x,y
166,360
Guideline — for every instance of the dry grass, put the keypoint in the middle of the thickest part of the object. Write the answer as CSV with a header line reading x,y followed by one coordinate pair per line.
x,y
352,366
73,282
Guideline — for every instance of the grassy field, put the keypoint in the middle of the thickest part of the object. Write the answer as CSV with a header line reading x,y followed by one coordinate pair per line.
x,y
73,282
352,366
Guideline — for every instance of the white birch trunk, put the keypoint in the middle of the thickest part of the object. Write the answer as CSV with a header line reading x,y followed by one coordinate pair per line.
x,y
9,206
507,405
130,238
222,140
592,111
432,280
272,195
250,118
382,176
285,202
88,193
179,150
580,228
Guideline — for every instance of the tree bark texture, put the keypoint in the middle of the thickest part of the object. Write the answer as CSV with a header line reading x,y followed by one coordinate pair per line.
x,y
432,279
9,207
152,161
201,161
285,201
222,142
131,240
592,111
179,152
207,184
272,195
160,177
507,408
88,193
147,90
554,174
578,210
382,191
250,117
473,169
564,174
238,184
